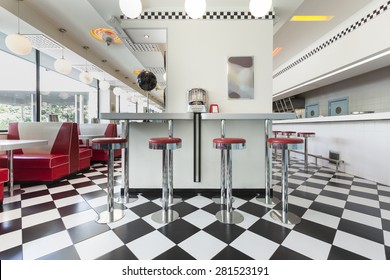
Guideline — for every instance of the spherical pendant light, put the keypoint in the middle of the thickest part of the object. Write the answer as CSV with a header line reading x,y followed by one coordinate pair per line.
x,y
86,77
131,8
104,85
63,66
117,91
259,8
18,44
195,8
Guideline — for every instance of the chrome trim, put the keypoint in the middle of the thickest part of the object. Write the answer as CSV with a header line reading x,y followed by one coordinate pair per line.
x,y
168,146
234,146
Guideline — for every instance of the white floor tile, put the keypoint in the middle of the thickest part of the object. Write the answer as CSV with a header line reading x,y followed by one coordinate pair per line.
x,y
299,201
199,201
34,188
99,201
362,218
384,198
336,189
79,218
255,246
88,189
363,189
202,246
129,217
331,201
139,201
39,218
10,215
46,245
155,242
306,245
78,180
360,246
99,245
317,181
36,200
341,181
248,221
309,189
61,189
385,214
384,188
269,218
200,218
100,181
386,235
10,240
322,218
68,201
363,201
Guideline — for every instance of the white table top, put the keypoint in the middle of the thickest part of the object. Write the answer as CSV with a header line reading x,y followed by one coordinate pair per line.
x,y
6,145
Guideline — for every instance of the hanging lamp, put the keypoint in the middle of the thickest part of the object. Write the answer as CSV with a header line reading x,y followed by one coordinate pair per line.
x,y
195,8
85,76
260,8
62,65
131,8
18,43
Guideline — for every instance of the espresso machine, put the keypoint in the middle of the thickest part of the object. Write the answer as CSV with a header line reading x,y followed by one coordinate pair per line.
x,y
197,100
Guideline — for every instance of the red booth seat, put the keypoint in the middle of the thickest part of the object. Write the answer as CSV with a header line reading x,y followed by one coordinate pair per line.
x,y
3,178
61,157
103,130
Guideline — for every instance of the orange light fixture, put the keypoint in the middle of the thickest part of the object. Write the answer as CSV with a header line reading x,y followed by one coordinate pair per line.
x,y
276,51
311,18
105,35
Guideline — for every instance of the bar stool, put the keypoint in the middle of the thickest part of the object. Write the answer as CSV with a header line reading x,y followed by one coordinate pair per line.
x,y
167,145
283,215
110,144
288,134
306,135
228,216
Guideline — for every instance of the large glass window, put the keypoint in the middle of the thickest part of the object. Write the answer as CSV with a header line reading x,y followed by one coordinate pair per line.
x,y
17,89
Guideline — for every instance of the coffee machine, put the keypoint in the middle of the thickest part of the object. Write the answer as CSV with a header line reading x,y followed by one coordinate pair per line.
x,y
197,100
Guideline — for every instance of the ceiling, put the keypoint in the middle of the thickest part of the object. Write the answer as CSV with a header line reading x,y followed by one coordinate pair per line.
x,y
78,17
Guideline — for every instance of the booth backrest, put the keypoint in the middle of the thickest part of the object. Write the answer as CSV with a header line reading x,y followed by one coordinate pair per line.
x,y
62,139
106,129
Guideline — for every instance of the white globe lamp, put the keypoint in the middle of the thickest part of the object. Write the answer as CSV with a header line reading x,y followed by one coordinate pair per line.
x,y
259,8
86,77
117,91
131,8
62,66
104,85
195,8
18,44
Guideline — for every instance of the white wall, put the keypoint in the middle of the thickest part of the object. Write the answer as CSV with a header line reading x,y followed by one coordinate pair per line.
x,y
363,145
197,58
367,92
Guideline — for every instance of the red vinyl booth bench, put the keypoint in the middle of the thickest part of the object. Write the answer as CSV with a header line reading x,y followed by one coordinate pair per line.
x,y
3,178
106,130
60,158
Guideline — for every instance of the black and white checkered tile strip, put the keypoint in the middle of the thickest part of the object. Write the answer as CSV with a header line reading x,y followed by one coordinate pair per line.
x,y
208,16
336,37
343,217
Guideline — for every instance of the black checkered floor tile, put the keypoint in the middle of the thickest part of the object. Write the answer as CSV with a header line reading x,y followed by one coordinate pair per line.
x,y
343,217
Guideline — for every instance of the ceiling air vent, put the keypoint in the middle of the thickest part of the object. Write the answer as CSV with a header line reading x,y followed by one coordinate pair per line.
x,y
40,42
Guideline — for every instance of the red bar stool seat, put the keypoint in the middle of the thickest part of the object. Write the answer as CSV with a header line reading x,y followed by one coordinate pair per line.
x,y
167,145
306,135
226,145
111,144
283,215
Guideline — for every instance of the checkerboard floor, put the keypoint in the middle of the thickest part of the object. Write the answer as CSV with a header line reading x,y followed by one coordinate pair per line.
x,y
343,217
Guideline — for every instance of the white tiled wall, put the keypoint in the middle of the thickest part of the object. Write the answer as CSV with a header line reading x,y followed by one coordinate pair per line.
x,y
368,92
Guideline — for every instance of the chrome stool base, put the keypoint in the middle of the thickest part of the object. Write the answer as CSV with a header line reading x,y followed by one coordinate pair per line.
x,y
227,217
164,217
105,217
217,200
272,201
124,200
292,219
174,201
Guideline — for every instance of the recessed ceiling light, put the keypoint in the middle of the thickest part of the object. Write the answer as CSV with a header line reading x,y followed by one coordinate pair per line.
x,y
276,51
146,36
311,18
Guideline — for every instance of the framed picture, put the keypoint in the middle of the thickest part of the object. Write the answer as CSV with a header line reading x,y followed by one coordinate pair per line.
x,y
240,77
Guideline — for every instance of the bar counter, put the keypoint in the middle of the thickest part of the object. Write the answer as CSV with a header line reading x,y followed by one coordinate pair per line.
x,y
196,164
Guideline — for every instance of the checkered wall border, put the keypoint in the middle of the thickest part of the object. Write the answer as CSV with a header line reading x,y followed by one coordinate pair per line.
x,y
207,16
336,37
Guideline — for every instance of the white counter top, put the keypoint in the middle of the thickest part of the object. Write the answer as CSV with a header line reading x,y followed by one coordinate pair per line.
x,y
345,118
189,116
